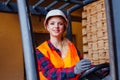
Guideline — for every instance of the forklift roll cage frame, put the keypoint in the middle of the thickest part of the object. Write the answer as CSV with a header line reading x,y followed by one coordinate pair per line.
x,y
24,10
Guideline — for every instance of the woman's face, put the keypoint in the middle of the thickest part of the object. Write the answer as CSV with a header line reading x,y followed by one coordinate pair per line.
x,y
56,26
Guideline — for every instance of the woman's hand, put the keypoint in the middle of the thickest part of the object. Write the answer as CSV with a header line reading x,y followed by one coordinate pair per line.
x,y
82,65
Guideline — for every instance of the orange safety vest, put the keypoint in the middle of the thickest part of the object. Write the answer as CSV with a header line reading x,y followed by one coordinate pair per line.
x,y
70,60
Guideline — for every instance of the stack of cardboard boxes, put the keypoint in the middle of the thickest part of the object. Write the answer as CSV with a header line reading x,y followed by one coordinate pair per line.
x,y
94,32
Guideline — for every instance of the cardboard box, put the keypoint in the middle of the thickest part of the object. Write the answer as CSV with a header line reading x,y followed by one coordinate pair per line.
x,y
100,44
102,54
84,14
89,37
101,16
89,28
85,40
95,62
94,18
85,48
94,38
84,22
90,44
84,31
95,46
95,56
102,61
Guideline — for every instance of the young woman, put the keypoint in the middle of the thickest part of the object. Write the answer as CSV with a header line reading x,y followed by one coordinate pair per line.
x,y
57,57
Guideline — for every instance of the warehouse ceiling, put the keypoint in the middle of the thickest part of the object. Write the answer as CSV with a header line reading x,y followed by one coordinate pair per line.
x,y
58,4
41,7
76,14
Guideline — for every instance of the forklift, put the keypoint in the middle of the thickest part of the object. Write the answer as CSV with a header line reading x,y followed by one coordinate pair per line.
x,y
110,71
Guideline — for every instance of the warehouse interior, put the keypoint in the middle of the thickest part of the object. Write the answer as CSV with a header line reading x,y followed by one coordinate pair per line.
x,y
88,32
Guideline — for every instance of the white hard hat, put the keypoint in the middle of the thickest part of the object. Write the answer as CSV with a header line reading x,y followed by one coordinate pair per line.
x,y
55,12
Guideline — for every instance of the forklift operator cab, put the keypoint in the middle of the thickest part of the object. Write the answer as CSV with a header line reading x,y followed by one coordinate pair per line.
x,y
96,72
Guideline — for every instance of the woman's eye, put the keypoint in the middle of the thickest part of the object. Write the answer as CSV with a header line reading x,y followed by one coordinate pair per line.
x,y
51,23
61,23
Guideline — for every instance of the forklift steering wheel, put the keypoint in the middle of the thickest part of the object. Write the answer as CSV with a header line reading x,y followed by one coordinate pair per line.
x,y
97,72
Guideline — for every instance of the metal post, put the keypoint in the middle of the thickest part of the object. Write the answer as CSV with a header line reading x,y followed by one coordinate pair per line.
x,y
75,7
38,3
63,6
111,39
51,5
115,29
69,29
7,2
30,68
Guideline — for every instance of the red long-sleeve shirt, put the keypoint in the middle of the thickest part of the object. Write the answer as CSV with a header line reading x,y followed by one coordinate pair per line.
x,y
48,68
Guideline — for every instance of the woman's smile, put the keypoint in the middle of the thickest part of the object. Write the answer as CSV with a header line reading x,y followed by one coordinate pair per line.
x,y
56,30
